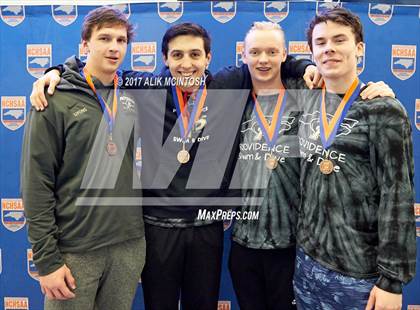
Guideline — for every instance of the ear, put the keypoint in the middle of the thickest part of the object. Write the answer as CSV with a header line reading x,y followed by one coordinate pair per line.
x,y
284,55
85,45
165,60
208,60
243,56
360,47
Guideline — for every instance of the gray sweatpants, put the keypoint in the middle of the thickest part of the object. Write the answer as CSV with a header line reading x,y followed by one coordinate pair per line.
x,y
106,278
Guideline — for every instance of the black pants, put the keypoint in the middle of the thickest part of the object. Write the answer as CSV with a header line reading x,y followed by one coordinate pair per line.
x,y
182,262
262,279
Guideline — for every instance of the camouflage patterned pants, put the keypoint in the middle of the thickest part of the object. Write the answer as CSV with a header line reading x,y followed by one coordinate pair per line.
x,y
319,288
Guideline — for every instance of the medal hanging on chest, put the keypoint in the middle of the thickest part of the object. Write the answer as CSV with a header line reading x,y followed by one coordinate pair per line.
x,y
186,120
109,114
328,129
271,131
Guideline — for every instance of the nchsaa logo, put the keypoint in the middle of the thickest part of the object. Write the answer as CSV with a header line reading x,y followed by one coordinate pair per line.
x,y
32,271
239,50
13,111
223,305
417,211
12,15
300,50
143,56
38,58
417,114
170,11
276,11
16,303
83,52
64,14
403,61
12,215
413,307
223,11
322,6
380,13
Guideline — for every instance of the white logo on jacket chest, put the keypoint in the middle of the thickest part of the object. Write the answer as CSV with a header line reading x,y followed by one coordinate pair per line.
x,y
79,112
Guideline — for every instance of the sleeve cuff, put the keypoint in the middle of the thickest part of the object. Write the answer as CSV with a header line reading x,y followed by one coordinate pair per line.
x,y
47,267
389,285
60,68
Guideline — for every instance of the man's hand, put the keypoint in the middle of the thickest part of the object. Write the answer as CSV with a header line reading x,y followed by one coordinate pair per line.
x,y
378,89
38,99
312,77
383,300
58,284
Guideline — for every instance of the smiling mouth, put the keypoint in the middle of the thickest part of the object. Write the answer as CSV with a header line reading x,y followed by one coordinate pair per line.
x,y
186,74
263,69
328,61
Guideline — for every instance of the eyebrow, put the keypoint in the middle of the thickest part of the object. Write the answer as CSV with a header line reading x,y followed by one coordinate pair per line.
x,y
334,37
182,51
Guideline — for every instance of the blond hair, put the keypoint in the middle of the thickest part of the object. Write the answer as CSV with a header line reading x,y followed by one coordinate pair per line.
x,y
264,25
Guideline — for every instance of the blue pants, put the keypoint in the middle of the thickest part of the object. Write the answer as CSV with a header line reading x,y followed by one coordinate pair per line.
x,y
317,287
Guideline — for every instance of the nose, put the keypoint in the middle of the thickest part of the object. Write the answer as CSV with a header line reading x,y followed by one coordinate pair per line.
x,y
113,46
329,47
186,62
263,58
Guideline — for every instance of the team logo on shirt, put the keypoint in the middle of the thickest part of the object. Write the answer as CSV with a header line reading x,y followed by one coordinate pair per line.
x,y
239,50
380,13
12,15
312,121
38,58
12,215
123,8
16,303
300,50
276,11
13,111
322,6
143,56
223,305
417,114
64,14
253,126
32,271
403,61
361,62
83,52
170,11
223,11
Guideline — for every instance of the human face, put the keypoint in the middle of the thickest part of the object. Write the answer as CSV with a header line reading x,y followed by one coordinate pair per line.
x,y
187,59
264,53
106,51
336,51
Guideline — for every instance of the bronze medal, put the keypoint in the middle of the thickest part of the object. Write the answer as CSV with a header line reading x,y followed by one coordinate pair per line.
x,y
183,156
326,166
271,162
111,148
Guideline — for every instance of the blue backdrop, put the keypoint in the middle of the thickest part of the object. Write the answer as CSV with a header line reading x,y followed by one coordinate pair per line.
x,y
33,38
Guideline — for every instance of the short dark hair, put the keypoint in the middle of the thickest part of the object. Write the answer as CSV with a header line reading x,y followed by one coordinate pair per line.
x,y
340,16
105,16
186,29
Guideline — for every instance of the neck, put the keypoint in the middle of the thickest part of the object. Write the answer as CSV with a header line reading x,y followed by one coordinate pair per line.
x,y
340,85
266,89
105,78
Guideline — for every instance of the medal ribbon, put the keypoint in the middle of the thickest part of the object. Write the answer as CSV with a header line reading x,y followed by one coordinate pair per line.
x,y
271,132
108,113
186,124
328,130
